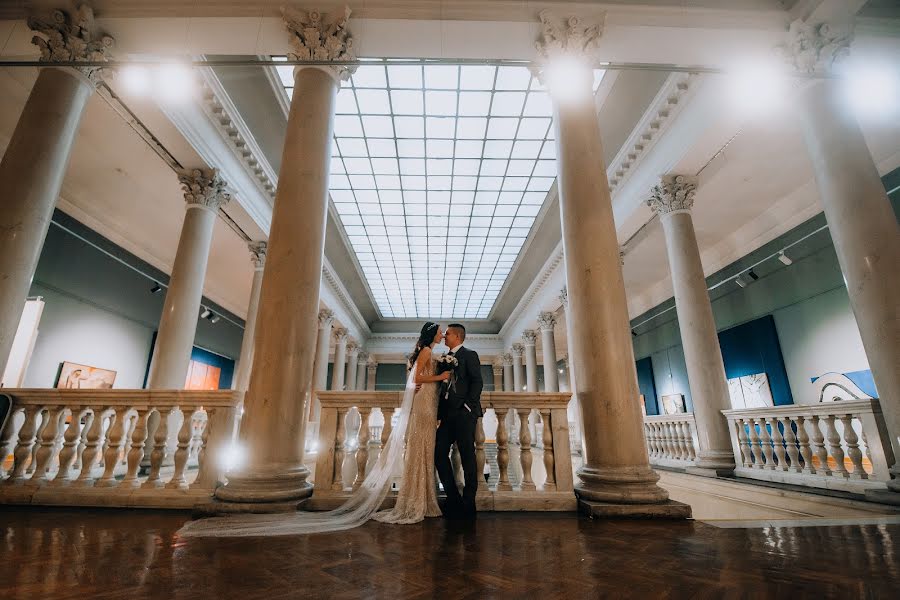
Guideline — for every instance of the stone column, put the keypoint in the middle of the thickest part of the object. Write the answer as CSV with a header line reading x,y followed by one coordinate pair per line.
x,y
497,368
859,214
371,371
274,423
616,477
35,161
672,200
360,374
340,358
352,358
508,385
546,323
529,337
323,343
258,256
204,193
518,350
573,409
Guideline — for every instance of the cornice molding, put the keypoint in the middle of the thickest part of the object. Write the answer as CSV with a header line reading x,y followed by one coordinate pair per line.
x,y
338,289
547,271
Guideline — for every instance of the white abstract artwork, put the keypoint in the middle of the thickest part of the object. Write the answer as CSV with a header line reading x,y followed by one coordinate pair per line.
x,y
750,391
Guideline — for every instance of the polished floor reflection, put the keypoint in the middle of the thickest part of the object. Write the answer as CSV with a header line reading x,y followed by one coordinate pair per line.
x,y
62,553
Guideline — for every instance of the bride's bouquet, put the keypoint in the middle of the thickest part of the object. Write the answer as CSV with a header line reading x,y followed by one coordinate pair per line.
x,y
448,363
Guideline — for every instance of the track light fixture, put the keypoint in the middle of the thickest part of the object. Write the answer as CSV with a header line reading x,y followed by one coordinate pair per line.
x,y
745,279
214,318
784,258
205,314
156,288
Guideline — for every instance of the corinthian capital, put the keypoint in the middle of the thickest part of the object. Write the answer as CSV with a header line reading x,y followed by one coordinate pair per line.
x,y
258,253
816,48
518,350
314,39
204,188
568,38
674,193
340,334
546,321
72,38
530,337
506,359
326,318
352,347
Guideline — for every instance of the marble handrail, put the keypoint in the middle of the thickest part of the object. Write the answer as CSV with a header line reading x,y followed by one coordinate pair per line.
x,y
85,447
837,445
334,440
671,439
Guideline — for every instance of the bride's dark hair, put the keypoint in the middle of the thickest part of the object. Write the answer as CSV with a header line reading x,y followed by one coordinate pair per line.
x,y
426,337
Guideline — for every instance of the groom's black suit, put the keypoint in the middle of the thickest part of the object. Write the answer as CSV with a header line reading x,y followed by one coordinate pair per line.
x,y
459,408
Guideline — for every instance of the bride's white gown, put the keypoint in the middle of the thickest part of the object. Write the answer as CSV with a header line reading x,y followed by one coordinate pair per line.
x,y
416,500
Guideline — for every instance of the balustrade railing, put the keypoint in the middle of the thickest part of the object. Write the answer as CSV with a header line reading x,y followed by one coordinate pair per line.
x,y
553,491
837,445
86,447
671,439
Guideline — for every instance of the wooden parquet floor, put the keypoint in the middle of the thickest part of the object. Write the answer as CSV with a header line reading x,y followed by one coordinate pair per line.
x,y
111,554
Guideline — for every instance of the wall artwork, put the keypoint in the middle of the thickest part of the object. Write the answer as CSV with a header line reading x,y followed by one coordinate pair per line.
x,y
673,404
73,376
202,376
750,391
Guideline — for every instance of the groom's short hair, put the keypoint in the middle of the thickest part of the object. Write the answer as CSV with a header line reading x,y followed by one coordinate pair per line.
x,y
460,330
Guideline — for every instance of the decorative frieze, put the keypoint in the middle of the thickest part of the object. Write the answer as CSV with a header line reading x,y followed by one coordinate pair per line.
x,y
675,193
313,39
74,37
816,48
546,321
204,188
258,253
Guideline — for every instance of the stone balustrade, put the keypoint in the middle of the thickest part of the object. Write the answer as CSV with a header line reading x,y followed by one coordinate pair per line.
x,y
671,440
85,447
836,445
554,492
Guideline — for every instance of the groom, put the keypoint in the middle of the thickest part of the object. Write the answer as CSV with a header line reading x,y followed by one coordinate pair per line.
x,y
459,407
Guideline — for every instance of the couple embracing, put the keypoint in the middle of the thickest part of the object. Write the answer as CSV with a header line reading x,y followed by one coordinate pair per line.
x,y
445,411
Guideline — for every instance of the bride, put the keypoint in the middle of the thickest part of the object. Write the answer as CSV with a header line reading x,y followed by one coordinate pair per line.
x,y
417,498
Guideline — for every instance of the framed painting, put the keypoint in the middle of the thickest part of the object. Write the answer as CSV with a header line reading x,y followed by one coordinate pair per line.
x,y
74,376
673,404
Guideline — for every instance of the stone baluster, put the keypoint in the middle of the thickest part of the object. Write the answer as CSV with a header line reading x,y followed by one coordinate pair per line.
x,y
362,448
503,484
7,443
22,453
69,450
43,421
778,443
196,443
648,437
479,455
136,452
158,454
765,442
744,443
549,462
689,439
868,450
793,451
659,439
340,434
671,446
525,450
803,443
834,446
93,446
388,413
115,437
206,474
178,482
47,447
754,444
853,450
82,440
818,443
682,442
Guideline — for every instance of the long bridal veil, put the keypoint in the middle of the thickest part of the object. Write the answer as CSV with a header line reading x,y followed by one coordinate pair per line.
x,y
358,509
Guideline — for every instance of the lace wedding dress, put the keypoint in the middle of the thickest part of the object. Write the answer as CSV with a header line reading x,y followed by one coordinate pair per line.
x,y
417,499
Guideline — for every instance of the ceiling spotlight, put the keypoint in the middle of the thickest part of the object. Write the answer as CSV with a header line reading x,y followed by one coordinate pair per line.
x,y
214,318
784,258
156,288
205,314
745,279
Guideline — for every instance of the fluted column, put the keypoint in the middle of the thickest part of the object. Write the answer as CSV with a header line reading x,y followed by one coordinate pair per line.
x,y
546,323
518,350
34,164
508,384
340,358
360,374
529,337
672,200
258,256
273,427
204,193
497,368
859,214
616,468
352,358
371,371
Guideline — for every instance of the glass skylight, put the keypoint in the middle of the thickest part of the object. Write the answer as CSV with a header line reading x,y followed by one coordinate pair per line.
x,y
438,173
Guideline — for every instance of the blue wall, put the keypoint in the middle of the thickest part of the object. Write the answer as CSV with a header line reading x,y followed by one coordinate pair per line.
x,y
753,348
646,385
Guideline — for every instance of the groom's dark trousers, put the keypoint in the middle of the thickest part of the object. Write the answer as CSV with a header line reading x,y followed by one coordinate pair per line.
x,y
460,429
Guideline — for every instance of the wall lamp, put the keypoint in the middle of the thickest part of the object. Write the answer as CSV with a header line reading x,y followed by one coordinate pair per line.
x,y
156,288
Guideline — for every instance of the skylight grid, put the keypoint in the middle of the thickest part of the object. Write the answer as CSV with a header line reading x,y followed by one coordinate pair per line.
x,y
438,173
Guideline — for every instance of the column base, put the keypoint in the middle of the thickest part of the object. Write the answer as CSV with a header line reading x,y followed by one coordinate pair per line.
x,y
620,485
708,472
669,509
282,486
717,462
